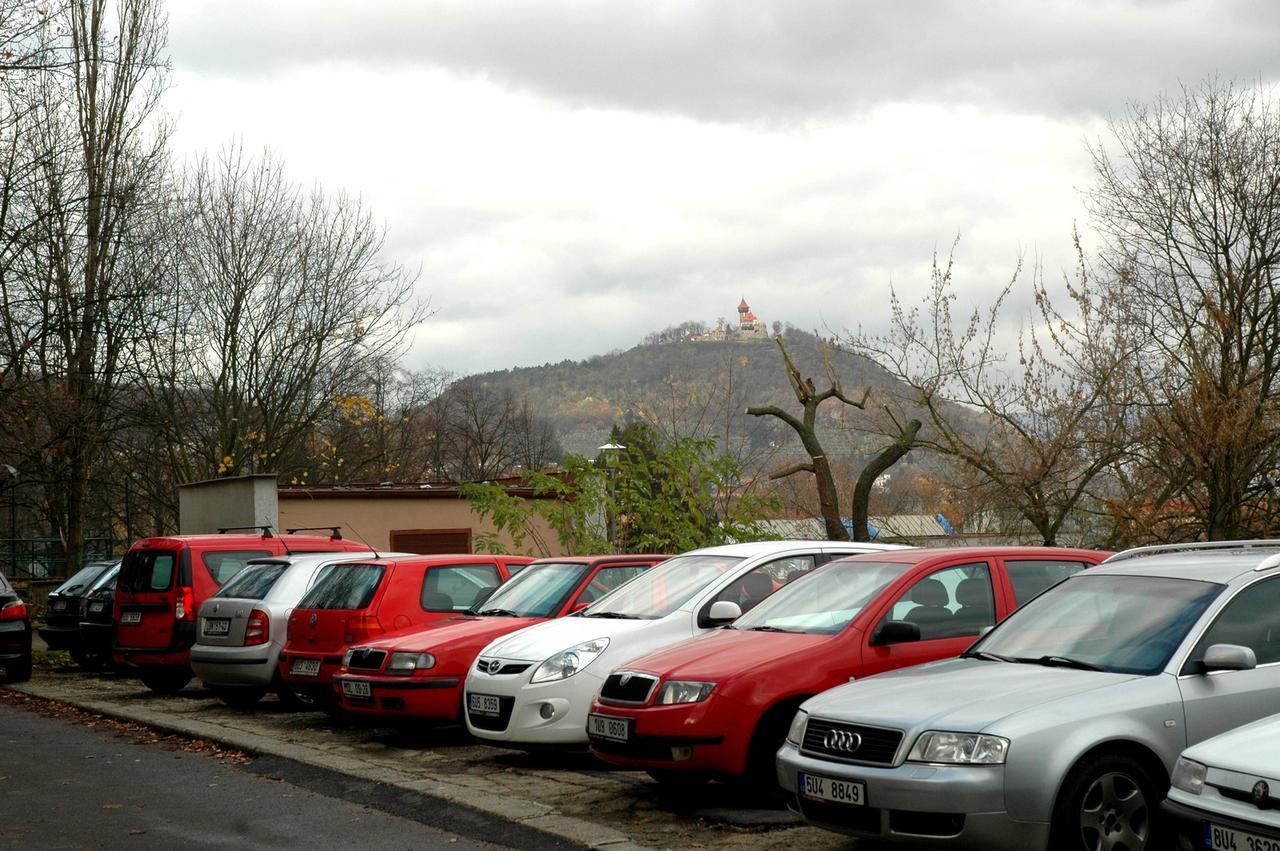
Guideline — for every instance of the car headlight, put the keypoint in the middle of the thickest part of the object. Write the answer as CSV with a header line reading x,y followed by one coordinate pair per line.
x,y
684,691
406,663
959,748
795,733
1188,775
566,663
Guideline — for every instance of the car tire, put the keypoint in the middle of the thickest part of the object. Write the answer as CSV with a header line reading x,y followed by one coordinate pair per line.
x,y
166,682
1108,801
238,698
18,672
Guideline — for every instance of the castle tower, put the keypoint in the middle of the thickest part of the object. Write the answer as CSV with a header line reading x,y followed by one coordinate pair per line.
x,y
743,310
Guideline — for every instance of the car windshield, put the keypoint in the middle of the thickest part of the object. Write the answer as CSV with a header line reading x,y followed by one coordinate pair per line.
x,y
106,580
83,577
254,581
344,586
825,600
1122,624
536,592
658,592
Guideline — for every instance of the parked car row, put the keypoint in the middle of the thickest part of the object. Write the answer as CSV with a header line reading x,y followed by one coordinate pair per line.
x,y
994,698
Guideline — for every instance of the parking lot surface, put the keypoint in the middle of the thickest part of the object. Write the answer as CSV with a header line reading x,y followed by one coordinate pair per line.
x,y
569,796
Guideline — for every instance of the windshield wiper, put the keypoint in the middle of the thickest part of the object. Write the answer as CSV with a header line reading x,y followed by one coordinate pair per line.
x,y
1065,662
767,629
990,657
501,613
610,615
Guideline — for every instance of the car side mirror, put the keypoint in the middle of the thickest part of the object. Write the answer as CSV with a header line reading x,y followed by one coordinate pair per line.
x,y
895,632
1229,657
723,612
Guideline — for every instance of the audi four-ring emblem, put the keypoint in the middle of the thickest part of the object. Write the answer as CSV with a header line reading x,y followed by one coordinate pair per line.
x,y
844,741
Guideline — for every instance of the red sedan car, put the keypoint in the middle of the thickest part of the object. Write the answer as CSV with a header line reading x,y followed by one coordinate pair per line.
x,y
352,602
420,674
718,706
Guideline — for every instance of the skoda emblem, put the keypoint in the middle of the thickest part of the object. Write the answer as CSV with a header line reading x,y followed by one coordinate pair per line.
x,y
495,665
624,679
844,741
1261,791
314,618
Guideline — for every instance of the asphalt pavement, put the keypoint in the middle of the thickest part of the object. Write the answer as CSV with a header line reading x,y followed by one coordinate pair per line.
x,y
66,786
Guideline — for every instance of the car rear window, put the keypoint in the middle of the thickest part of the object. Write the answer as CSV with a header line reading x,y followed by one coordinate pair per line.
x,y
1031,577
105,580
457,587
224,565
82,578
5,587
254,581
344,586
148,570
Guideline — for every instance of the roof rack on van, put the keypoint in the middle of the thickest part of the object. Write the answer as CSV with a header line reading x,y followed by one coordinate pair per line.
x,y
1194,546
335,532
266,530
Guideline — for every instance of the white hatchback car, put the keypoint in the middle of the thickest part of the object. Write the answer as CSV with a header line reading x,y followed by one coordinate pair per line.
x,y
535,686
1225,793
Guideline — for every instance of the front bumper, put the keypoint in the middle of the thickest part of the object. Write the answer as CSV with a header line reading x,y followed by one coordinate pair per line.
x,y
683,737
431,698
1192,825
552,713
235,666
951,806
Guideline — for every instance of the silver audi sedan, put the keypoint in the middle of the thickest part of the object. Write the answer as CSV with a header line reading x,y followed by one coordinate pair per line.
x,y
1060,727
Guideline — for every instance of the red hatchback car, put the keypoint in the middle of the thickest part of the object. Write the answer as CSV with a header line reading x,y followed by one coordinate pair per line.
x,y
718,706
420,674
352,602
162,583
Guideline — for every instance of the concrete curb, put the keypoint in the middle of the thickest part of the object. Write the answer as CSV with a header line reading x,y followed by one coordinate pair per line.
x,y
529,814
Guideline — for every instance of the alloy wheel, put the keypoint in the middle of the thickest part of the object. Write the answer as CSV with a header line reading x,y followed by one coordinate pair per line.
x,y
1114,815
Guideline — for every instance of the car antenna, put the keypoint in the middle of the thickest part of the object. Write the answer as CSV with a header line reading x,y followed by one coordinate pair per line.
x,y
361,539
266,532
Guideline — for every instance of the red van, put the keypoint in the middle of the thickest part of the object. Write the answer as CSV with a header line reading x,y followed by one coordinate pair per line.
x,y
353,602
162,583
718,706
420,674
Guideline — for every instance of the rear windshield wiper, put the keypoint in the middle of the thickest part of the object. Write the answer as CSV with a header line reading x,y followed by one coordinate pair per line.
x,y
501,613
990,657
610,615
1065,662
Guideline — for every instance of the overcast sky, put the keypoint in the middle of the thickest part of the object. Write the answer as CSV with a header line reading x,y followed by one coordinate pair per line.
x,y
572,175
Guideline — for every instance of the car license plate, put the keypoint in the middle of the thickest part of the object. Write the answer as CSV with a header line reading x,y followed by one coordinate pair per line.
x,y
819,788
59,605
355,688
485,704
305,667
1221,838
96,607
608,727
131,617
217,626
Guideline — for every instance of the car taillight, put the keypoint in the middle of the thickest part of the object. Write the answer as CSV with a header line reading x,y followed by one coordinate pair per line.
x,y
185,608
360,628
258,630
13,611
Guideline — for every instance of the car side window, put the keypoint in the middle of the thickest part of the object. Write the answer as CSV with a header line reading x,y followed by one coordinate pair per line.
x,y
608,578
1031,577
224,565
761,581
948,603
1249,620
457,587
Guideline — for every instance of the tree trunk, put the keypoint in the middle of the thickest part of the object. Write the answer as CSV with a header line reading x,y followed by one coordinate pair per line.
x,y
888,456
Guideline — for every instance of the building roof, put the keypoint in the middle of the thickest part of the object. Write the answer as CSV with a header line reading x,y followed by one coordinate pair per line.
x,y
742,305
398,490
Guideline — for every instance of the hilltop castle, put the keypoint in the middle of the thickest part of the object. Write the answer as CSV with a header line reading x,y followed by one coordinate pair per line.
x,y
749,327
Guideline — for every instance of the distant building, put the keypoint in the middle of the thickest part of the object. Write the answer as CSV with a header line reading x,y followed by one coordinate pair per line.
x,y
749,327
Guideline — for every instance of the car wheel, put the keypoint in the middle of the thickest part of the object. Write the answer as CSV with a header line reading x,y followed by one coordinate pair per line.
x,y
1107,803
166,682
91,659
238,698
18,672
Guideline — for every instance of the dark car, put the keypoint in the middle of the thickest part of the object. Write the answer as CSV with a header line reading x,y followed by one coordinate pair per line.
x,y
93,641
61,630
15,635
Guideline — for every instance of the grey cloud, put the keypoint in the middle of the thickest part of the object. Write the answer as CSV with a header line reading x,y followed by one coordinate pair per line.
x,y
784,60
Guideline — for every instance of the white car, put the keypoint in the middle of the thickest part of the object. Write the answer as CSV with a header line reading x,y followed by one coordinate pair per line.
x,y
1225,793
535,686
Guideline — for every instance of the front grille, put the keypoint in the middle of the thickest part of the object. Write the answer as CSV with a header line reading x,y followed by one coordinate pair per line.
x,y
861,819
625,687
367,660
496,723
850,742
503,669
1270,802
926,824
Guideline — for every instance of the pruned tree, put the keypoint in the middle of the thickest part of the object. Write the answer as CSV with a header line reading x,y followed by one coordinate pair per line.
x,y
819,464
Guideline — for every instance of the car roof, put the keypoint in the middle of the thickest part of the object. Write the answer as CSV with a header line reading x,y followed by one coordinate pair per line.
x,y
1219,562
757,548
918,555
236,538
600,559
337,555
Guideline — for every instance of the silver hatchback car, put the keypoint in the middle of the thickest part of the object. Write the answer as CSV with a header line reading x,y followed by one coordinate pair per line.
x,y
1060,727
241,628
